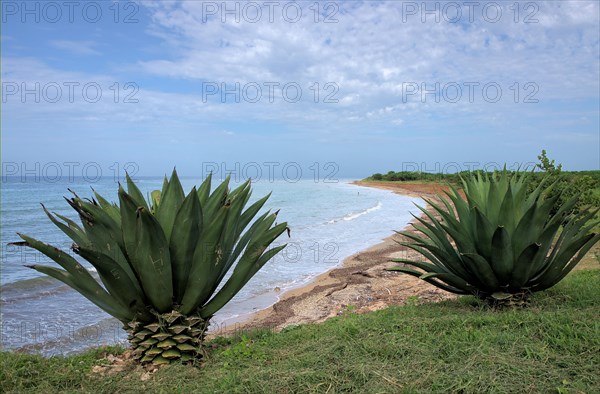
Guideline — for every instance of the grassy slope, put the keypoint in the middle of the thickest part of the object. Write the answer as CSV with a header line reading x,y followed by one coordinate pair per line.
x,y
554,346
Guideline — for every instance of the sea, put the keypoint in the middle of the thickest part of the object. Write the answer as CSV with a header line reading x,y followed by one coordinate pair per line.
x,y
329,221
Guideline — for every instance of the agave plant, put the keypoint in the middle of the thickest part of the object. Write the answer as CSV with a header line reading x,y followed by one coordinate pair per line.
x,y
161,262
501,242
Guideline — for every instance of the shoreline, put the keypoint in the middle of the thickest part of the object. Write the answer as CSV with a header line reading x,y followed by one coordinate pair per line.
x,y
360,283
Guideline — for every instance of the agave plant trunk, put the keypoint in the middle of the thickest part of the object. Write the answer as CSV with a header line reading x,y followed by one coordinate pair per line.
x,y
171,336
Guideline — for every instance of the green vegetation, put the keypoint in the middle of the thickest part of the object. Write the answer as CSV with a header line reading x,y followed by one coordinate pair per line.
x,y
413,176
506,242
567,184
584,184
161,261
453,346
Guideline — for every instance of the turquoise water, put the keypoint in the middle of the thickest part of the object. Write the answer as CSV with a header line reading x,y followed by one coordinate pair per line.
x,y
328,222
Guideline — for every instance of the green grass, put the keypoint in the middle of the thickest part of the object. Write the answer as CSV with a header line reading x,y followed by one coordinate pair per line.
x,y
453,346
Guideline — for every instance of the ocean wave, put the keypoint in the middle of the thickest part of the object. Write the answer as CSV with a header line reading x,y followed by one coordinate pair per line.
x,y
354,215
31,289
34,288
30,284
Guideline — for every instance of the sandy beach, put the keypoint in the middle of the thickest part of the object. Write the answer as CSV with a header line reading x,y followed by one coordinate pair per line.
x,y
360,283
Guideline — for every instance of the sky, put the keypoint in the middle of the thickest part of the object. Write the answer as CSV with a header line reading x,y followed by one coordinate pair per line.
x,y
297,89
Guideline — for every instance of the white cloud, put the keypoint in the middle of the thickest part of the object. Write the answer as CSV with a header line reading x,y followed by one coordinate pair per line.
x,y
61,102
76,47
369,56
370,53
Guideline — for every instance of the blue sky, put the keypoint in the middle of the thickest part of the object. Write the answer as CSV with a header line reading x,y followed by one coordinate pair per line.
x,y
161,67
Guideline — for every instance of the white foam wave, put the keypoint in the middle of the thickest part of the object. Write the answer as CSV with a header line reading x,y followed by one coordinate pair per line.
x,y
354,215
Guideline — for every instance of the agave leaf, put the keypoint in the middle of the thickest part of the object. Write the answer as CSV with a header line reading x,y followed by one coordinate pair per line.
x,y
519,197
483,234
259,227
429,235
70,229
449,259
110,209
154,200
72,225
545,240
429,279
452,282
204,190
219,270
427,267
248,266
434,231
549,281
63,259
543,216
135,193
461,237
525,230
507,211
562,211
215,201
128,210
107,240
569,232
275,232
459,233
117,282
561,260
524,265
502,257
77,277
206,254
152,262
94,293
533,197
441,239
183,242
446,202
170,201
410,271
435,260
241,244
481,268
414,237
244,187
250,213
492,205
98,223
503,184
460,205
231,232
